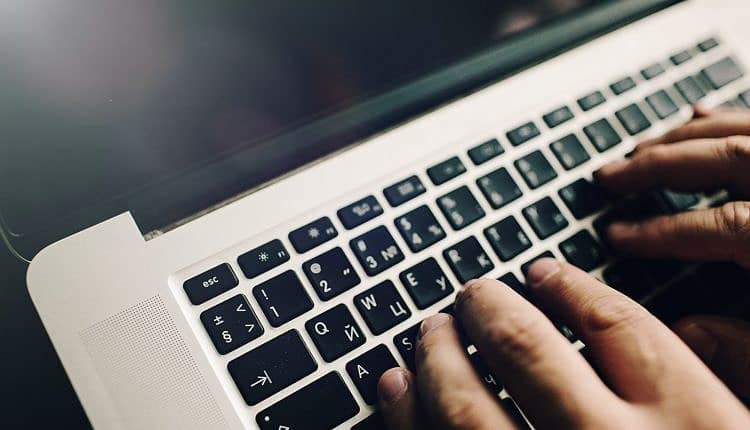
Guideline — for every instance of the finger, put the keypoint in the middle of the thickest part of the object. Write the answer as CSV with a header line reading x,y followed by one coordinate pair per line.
x,y
642,359
710,123
551,382
718,234
398,400
686,166
724,345
452,394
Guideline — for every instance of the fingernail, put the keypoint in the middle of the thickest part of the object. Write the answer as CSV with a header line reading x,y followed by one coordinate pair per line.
x,y
432,323
392,385
700,341
540,270
620,229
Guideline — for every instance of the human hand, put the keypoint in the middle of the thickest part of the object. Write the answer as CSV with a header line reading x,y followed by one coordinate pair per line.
x,y
649,378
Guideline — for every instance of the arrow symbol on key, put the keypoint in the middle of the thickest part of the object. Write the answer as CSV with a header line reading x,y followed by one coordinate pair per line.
x,y
262,380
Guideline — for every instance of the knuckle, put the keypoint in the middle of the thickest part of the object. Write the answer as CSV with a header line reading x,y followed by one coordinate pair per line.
x,y
737,148
517,336
734,217
612,312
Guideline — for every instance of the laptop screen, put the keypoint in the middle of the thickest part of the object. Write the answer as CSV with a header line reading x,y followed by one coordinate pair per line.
x,y
102,99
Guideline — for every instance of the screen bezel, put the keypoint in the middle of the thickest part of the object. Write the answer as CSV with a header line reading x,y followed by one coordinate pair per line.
x,y
186,194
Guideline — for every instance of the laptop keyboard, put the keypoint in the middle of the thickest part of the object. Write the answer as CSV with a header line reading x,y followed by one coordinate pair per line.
x,y
368,332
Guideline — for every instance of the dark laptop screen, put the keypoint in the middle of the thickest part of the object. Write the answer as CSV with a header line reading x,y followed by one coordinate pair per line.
x,y
100,98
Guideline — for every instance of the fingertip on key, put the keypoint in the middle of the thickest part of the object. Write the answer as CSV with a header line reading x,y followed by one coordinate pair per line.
x,y
541,270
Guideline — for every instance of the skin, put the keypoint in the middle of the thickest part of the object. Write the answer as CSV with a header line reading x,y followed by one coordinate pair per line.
x,y
647,375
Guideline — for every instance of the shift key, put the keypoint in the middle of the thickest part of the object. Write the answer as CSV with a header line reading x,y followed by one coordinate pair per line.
x,y
271,367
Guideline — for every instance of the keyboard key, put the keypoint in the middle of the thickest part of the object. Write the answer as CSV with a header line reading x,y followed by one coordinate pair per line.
x,y
745,97
652,71
507,238
623,85
401,192
468,260
499,188
535,169
359,212
282,298
231,324
522,134
330,274
515,414
210,284
583,251
627,276
545,218
460,207
263,258
419,228
558,116
633,119
722,73
678,202
591,101
376,250
582,198
405,342
708,44
382,307
485,374
486,151
311,235
512,281
602,135
365,371
445,171
373,422
690,90
681,57
321,405
426,283
662,104
271,367
569,151
525,266
335,332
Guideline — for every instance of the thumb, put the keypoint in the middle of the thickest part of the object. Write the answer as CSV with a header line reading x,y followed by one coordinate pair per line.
x,y
724,345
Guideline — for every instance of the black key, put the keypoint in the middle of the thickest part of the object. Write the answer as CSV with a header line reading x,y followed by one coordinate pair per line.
x,y
512,281
633,119
515,414
210,284
263,258
689,89
445,171
582,198
405,342
591,101
376,250
401,192
525,266
663,271
522,133
366,369
426,283
419,228
468,260
745,97
271,367
499,188
311,235
602,135
484,372
335,332
623,85
330,274
485,151
662,104
722,73
678,202
282,298
632,208
628,277
652,71
708,44
359,212
321,405
545,218
460,207
373,422
583,251
681,57
507,238
382,307
231,324
535,169
569,151
558,116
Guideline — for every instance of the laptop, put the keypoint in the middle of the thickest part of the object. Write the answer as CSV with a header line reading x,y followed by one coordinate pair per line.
x,y
237,213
